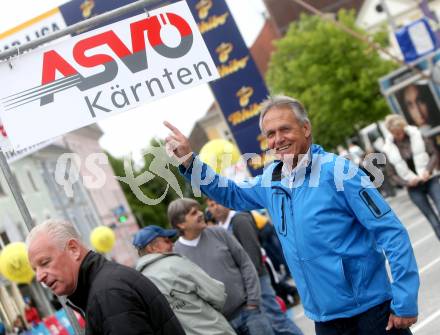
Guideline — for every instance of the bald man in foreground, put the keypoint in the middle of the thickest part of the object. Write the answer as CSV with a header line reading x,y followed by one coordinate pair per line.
x,y
113,298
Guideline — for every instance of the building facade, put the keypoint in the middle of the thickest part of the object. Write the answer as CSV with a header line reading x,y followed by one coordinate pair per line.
x,y
107,196
95,196
283,12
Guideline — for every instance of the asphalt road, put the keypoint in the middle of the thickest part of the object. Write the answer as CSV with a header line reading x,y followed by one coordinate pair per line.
x,y
427,251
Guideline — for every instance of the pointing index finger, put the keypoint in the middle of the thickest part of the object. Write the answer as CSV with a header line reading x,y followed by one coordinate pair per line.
x,y
172,128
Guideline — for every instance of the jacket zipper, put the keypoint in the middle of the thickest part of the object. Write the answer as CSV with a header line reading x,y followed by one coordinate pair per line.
x,y
283,220
306,278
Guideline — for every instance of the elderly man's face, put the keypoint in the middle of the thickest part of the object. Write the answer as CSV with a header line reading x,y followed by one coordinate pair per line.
x,y
287,137
56,268
161,245
194,221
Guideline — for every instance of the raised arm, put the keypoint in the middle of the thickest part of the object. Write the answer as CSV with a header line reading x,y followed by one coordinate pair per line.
x,y
178,145
244,196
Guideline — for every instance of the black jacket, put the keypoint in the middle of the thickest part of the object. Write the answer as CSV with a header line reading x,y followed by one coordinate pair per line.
x,y
119,300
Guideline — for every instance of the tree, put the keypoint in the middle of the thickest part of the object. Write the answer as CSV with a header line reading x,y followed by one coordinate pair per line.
x,y
333,74
154,188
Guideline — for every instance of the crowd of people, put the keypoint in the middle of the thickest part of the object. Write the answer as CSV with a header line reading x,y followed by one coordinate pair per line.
x,y
208,282
331,232
335,231
412,161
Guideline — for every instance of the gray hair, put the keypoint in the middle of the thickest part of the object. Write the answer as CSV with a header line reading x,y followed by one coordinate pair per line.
x,y
177,209
395,121
60,231
280,101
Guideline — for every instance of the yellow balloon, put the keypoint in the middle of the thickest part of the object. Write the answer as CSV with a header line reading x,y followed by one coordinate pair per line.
x,y
14,263
103,239
219,154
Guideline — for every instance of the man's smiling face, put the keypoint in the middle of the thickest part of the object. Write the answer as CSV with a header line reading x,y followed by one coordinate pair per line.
x,y
286,136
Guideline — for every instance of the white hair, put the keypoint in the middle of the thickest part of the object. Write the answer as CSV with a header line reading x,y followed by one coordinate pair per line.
x,y
280,101
395,121
59,230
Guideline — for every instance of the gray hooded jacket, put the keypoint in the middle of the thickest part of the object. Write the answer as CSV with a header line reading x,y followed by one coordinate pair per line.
x,y
194,296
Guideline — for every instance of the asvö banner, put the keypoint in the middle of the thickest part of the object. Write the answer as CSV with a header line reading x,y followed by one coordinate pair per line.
x,y
65,86
241,88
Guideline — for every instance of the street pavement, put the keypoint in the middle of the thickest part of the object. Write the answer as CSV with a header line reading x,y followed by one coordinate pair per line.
x,y
427,251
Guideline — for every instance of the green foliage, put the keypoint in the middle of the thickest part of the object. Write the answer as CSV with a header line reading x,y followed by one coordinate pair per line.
x,y
333,74
382,37
153,189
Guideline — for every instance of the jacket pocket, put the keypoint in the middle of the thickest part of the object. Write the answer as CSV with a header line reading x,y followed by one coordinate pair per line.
x,y
374,202
375,278
328,285
352,270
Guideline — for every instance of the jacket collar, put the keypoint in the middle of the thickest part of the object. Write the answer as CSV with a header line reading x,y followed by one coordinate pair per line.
x,y
277,172
149,259
89,268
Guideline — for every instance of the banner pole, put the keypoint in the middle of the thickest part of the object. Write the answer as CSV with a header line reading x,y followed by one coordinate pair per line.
x,y
24,211
80,26
4,166
16,193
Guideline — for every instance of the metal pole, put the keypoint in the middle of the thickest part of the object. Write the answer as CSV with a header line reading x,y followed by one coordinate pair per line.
x,y
362,38
12,183
77,27
24,211
4,166
389,16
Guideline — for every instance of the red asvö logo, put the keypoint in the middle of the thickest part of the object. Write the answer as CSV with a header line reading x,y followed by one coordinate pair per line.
x,y
135,59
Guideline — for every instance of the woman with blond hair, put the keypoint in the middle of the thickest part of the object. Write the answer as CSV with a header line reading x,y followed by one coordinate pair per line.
x,y
414,160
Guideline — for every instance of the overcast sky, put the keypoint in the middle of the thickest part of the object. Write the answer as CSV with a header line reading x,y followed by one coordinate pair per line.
x,y
131,131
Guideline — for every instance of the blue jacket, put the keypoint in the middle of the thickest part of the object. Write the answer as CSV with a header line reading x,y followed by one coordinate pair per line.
x,y
335,232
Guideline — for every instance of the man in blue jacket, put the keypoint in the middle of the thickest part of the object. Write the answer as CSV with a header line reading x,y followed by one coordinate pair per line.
x,y
334,227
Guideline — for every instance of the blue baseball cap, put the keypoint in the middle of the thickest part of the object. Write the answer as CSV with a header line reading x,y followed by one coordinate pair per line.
x,y
144,236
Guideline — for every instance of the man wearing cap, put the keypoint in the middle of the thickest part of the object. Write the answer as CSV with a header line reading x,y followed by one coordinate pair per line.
x,y
194,296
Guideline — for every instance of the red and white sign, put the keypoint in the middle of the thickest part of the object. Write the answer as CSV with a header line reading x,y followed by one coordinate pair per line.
x,y
65,86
